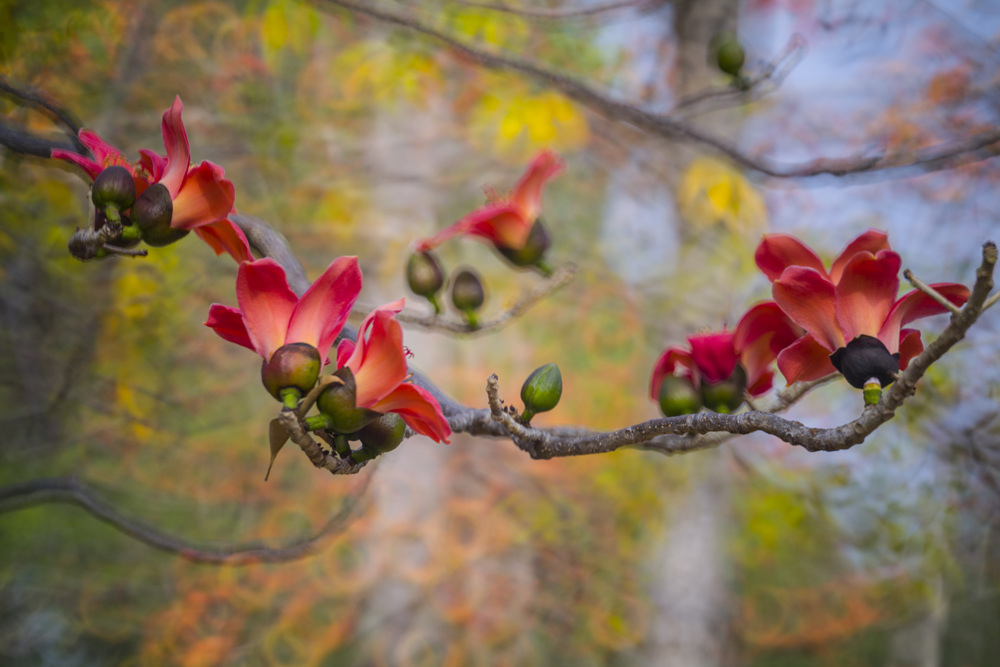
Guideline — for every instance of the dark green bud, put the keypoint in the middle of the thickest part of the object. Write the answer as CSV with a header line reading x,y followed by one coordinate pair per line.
x,y
533,252
380,436
467,291
425,277
152,213
730,56
338,403
292,366
113,191
724,397
678,397
541,391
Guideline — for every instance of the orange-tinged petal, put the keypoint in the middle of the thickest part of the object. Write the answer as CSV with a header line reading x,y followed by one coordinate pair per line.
x,y
205,197
501,224
378,361
766,320
910,346
345,348
671,359
419,409
228,323
805,360
916,305
871,241
226,236
808,298
92,168
323,309
527,193
777,252
866,292
267,303
153,162
714,355
178,151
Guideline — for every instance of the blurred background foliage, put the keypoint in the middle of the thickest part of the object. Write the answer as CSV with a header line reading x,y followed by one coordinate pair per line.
x,y
354,137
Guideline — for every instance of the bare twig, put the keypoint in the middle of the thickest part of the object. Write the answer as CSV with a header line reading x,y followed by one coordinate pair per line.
x,y
320,457
40,101
71,491
980,146
562,13
931,292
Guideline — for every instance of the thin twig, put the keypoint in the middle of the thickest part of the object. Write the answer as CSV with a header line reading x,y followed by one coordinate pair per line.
x,y
42,102
562,13
931,292
71,491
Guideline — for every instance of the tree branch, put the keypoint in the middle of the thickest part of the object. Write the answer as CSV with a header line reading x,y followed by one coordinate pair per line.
x,y
71,491
562,13
980,146
40,101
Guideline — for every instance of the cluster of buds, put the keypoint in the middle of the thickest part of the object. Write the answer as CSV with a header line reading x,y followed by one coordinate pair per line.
x,y
425,277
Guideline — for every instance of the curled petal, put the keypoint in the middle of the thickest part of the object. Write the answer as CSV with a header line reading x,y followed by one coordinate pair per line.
x,y
226,236
205,197
228,323
777,252
344,351
871,241
92,168
267,303
714,355
500,223
804,360
808,298
152,162
671,359
323,309
419,409
866,292
528,191
910,346
378,361
762,333
916,305
175,140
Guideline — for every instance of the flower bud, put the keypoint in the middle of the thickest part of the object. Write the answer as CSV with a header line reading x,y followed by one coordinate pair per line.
x,y
113,191
293,366
467,293
533,251
541,391
425,277
729,54
724,397
152,213
338,403
678,397
380,436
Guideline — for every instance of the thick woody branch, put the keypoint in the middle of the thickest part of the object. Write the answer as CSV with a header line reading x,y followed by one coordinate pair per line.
x,y
69,490
983,145
546,443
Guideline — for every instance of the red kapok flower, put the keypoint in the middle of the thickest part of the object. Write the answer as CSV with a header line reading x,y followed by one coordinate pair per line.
x,y
777,252
270,315
851,315
378,363
107,156
762,333
507,223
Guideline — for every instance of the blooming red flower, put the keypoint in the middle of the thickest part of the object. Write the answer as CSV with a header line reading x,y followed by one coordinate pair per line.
x,y
270,315
202,197
378,362
760,336
506,223
851,316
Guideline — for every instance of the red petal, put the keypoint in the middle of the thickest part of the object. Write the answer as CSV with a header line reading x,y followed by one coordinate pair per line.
x,y
714,355
175,140
866,291
419,409
805,359
267,303
916,305
762,385
344,351
500,223
152,162
226,236
910,346
228,323
378,361
871,241
528,191
808,299
205,197
323,309
92,168
667,365
777,252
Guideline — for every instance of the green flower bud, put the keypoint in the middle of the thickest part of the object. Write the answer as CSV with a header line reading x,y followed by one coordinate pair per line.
x,y
729,54
425,277
152,213
113,191
338,404
533,252
293,366
380,436
678,397
541,391
467,293
724,397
